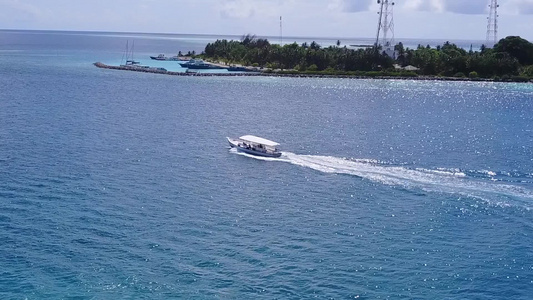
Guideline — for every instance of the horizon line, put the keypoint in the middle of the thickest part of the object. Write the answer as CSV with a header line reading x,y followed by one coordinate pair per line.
x,y
235,35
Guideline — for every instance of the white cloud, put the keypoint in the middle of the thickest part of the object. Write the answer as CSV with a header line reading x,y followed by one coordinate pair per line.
x,y
243,9
446,19
424,5
518,7
20,10
356,5
237,9
469,7
473,7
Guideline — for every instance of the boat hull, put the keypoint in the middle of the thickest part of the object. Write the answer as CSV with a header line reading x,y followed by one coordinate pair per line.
x,y
259,153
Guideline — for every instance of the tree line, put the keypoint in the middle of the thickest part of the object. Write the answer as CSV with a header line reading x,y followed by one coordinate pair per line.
x,y
511,57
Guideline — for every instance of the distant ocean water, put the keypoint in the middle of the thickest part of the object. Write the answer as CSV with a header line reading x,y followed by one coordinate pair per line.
x,y
120,185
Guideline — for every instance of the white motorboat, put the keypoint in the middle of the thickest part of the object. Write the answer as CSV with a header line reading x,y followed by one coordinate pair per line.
x,y
255,145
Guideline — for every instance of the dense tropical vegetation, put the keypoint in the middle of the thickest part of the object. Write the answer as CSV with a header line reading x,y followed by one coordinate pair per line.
x,y
510,58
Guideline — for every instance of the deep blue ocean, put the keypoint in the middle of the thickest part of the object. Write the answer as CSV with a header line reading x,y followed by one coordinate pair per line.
x,y
121,185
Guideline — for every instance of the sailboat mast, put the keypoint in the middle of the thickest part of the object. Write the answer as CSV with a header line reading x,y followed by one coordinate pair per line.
x,y
132,46
125,54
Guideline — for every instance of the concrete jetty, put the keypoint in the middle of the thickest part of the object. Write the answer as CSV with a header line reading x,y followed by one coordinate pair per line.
x,y
248,74
275,74
160,71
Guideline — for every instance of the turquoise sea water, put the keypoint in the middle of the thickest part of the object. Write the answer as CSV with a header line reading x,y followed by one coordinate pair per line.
x,y
120,185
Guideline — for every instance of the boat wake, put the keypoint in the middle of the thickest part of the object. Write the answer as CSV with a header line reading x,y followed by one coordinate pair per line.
x,y
497,188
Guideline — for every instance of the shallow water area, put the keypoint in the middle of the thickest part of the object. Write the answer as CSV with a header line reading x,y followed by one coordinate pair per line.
x,y
121,184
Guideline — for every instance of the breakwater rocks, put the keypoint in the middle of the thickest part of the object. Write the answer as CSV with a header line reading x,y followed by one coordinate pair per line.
x,y
145,69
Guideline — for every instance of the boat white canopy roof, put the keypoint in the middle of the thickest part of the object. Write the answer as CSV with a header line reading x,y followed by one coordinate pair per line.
x,y
258,140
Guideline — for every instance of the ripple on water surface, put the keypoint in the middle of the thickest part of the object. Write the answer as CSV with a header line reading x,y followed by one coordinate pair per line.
x,y
123,187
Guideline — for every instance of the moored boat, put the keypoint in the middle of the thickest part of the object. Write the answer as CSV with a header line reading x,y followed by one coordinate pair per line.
x,y
199,64
255,145
165,58
130,62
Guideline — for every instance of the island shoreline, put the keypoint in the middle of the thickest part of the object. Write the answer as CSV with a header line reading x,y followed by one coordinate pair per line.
x,y
299,75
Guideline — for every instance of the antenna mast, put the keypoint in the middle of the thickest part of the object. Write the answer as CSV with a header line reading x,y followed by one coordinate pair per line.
x,y
386,26
280,32
492,26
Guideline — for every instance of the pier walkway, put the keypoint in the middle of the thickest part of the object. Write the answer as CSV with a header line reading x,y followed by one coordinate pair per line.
x,y
159,71
274,74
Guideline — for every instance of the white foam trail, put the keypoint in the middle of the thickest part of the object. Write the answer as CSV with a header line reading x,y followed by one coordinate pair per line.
x,y
488,172
391,175
443,172
452,181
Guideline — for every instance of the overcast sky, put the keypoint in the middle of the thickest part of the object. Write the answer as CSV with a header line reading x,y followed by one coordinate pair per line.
x,y
438,19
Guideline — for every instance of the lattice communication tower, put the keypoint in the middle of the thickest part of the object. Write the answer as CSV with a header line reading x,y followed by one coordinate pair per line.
x,y
492,26
386,27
